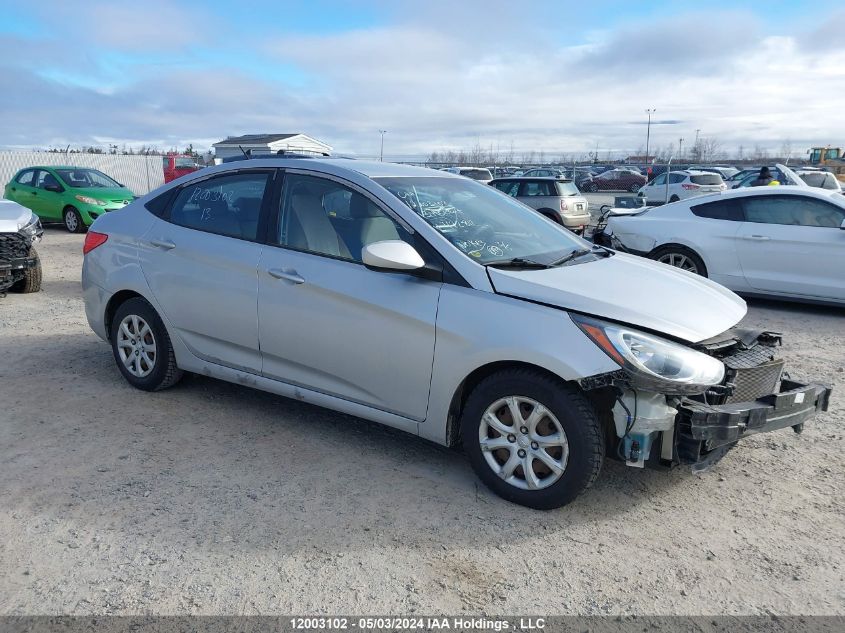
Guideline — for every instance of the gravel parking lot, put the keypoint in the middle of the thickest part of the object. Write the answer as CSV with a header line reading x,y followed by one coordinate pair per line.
x,y
213,498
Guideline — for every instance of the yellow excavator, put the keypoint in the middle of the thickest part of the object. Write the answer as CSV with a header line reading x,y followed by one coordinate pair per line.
x,y
831,158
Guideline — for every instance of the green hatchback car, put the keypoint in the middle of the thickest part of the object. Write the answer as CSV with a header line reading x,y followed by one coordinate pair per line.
x,y
73,195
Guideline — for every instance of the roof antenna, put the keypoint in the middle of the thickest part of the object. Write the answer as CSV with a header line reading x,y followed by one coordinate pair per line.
x,y
244,151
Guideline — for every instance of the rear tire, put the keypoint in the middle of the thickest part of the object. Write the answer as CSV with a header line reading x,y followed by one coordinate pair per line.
x,y
674,198
142,348
31,281
558,436
680,257
73,220
634,188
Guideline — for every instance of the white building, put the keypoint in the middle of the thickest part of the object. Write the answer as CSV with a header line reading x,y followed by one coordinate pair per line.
x,y
257,144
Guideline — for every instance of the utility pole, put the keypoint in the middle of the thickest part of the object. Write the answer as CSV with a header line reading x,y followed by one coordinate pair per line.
x,y
695,148
381,151
680,149
649,112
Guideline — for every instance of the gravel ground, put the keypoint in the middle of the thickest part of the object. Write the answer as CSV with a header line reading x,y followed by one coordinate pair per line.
x,y
211,498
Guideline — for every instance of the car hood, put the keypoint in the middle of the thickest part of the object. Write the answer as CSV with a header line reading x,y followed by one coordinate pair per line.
x,y
630,290
13,216
104,193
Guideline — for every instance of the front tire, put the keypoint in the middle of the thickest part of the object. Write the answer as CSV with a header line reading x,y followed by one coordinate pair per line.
x,y
142,348
634,188
532,439
31,281
73,220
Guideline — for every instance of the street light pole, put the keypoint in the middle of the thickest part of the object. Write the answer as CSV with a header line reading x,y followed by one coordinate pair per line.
x,y
649,112
381,152
680,149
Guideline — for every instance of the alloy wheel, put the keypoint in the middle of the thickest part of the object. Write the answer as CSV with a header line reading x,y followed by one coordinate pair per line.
x,y
523,443
71,221
136,345
679,260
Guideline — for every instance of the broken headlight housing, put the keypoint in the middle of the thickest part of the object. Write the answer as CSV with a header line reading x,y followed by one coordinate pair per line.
x,y
654,363
32,229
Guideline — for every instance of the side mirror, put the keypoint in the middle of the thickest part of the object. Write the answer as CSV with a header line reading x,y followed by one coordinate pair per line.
x,y
391,255
54,188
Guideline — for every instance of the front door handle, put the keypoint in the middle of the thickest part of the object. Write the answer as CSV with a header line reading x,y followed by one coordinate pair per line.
x,y
165,244
758,238
292,275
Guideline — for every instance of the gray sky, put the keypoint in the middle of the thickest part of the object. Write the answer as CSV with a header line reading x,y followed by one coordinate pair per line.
x,y
437,75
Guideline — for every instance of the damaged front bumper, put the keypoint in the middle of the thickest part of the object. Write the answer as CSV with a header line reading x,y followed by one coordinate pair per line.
x,y
704,432
656,430
14,258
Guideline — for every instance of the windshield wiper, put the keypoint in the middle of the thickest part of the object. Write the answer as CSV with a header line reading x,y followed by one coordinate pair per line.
x,y
595,250
518,262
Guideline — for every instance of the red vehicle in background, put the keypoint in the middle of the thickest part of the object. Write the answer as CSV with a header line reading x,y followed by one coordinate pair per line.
x,y
177,165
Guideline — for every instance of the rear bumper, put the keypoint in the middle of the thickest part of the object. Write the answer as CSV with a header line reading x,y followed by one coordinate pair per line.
x,y
705,432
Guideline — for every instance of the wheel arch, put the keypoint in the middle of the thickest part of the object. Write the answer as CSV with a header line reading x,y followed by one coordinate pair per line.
x,y
472,380
550,213
116,300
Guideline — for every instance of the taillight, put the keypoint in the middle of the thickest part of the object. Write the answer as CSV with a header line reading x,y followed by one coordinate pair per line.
x,y
686,186
93,240
563,205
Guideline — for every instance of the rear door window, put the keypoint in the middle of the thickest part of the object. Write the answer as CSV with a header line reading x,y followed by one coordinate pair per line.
x,y
225,205
675,179
510,187
46,179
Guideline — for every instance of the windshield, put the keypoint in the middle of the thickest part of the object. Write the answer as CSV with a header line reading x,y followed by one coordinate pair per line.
x,y
483,223
567,189
185,162
86,178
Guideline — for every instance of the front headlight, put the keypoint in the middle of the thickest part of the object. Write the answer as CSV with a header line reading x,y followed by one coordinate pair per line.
x,y
90,200
32,229
654,363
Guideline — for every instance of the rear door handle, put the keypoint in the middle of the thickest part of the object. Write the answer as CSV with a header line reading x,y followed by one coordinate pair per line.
x,y
165,244
292,275
758,238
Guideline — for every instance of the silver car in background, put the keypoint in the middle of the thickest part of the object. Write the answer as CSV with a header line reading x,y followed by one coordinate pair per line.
x,y
481,174
556,198
434,304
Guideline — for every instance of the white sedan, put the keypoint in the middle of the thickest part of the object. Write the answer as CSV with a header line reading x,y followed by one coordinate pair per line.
x,y
784,242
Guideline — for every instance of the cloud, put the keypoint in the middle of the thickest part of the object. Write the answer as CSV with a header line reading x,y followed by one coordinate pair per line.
x,y
433,78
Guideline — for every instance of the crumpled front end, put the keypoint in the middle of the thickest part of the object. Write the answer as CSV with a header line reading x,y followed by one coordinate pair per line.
x,y
756,396
15,258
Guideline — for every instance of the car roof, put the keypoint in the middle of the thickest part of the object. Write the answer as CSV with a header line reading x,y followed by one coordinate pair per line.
x,y
744,192
550,178
370,169
59,167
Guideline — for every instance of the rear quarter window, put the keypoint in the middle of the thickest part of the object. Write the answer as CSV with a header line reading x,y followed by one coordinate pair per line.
x,y
719,210
26,177
567,189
